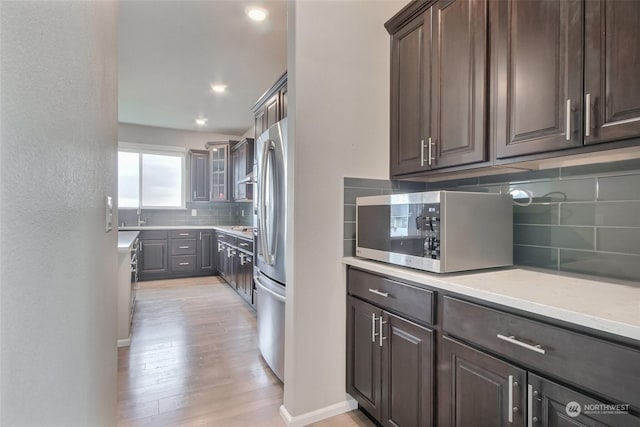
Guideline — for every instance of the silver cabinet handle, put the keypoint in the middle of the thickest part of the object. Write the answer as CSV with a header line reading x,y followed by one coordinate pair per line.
x,y
587,115
377,292
510,402
219,247
529,405
511,339
430,153
373,327
183,247
422,153
380,334
194,195
201,235
568,120
244,244
183,234
183,263
242,259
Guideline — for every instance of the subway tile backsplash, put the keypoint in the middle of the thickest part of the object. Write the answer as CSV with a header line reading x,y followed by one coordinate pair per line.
x,y
211,214
582,219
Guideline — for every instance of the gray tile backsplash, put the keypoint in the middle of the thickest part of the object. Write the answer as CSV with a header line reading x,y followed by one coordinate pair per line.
x,y
582,219
209,214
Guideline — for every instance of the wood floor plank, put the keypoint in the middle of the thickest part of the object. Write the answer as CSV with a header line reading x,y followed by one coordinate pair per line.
x,y
194,361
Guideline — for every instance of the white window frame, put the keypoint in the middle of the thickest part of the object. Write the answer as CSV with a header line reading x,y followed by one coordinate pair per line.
x,y
161,150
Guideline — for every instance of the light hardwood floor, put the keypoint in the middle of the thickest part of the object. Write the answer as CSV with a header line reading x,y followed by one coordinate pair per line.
x,y
194,361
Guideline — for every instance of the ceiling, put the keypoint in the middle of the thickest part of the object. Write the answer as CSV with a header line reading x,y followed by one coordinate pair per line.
x,y
171,52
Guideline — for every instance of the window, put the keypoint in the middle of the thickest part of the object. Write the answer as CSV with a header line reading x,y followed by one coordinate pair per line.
x,y
150,176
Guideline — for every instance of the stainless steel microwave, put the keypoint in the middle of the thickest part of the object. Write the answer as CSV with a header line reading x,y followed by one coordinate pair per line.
x,y
437,231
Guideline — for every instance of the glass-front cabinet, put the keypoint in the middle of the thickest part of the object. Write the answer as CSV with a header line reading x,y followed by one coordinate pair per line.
x,y
219,170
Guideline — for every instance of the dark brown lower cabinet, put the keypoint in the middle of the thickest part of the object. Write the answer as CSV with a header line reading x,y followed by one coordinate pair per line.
x,y
552,405
154,258
476,389
389,366
245,276
364,356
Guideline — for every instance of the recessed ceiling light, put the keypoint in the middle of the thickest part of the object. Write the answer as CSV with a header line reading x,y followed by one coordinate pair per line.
x,y
219,88
257,13
202,122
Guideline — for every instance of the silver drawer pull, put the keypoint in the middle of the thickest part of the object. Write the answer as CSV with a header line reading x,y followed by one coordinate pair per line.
x,y
183,247
377,292
184,263
511,339
184,234
244,244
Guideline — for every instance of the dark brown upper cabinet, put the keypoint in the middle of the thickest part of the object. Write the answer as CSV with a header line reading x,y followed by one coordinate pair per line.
x,y
612,70
199,165
410,94
242,160
271,107
438,87
459,83
537,65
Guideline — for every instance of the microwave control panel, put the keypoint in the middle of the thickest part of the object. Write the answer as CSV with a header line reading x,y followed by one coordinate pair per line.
x,y
429,223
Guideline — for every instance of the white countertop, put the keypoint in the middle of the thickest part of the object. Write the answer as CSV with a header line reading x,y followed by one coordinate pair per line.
x,y
607,305
126,239
167,227
225,228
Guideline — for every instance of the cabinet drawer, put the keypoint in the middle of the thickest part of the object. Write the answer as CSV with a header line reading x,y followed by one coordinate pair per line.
x,y
590,363
183,234
247,245
183,246
413,302
153,235
183,264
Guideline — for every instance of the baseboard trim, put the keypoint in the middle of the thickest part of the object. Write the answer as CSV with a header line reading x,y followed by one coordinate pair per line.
x,y
124,342
348,404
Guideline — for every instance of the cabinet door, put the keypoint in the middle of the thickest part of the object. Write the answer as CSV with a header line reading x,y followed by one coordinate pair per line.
x,y
219,173
363,355
283,102
153,257
259,123
476,389
410,95
205,251
200,176
239,172
272,111
407,373
459,83
612,67
537,76
552,405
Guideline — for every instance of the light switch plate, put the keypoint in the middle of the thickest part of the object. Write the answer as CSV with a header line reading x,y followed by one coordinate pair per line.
x,y
194,212
109,213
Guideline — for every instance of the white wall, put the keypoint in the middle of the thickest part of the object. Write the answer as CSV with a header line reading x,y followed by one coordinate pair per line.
x,y
338,84
140,134
58,102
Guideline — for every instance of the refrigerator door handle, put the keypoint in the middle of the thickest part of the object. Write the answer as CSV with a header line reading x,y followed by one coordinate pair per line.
x,y
261,209
262,287
267,222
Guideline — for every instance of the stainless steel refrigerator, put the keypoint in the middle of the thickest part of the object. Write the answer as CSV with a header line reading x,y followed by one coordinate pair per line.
x,y
269,275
